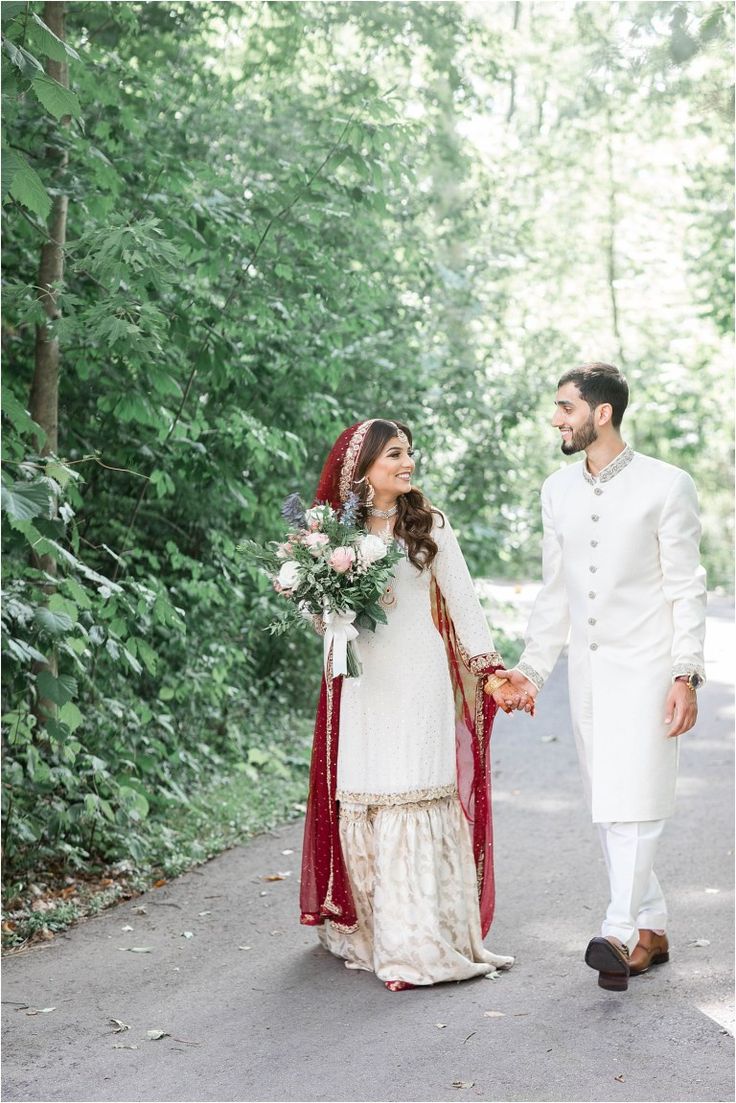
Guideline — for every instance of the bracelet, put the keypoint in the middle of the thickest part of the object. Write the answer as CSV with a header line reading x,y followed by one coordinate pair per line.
x,y
493,683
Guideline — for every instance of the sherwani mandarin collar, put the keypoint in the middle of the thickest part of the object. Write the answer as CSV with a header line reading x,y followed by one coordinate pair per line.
x,y
617,464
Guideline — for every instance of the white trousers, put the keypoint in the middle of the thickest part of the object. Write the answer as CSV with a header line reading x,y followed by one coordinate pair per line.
x,y
636,899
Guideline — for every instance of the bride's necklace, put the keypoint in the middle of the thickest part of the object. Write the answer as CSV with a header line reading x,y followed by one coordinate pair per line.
x,y
387,514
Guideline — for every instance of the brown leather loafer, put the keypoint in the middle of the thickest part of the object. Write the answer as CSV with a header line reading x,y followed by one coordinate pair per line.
x,y
651,949
611,959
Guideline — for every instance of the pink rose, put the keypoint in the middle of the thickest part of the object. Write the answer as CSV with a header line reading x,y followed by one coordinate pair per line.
x,y
316,540
342,559
283,551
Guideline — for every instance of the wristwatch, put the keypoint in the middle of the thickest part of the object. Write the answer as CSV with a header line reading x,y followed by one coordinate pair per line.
x,y
694,680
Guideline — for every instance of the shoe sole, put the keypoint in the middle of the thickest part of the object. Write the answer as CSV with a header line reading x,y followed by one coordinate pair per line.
x,y
613,973
658,959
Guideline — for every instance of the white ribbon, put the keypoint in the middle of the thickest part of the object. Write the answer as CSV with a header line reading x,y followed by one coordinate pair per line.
x,y
339,631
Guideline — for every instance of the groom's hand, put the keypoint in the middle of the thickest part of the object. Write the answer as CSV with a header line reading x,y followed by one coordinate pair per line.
x,y
524,690
681,709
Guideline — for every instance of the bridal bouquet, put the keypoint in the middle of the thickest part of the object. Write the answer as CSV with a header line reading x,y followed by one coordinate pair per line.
x,y
327,567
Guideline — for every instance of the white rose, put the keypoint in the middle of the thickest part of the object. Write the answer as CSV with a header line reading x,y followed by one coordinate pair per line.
x,y
288,576
371,548
317,515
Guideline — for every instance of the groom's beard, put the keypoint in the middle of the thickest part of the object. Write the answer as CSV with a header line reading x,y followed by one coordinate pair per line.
x,y
580,438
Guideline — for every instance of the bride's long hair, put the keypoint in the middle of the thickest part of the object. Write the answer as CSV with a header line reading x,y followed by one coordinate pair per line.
x,y
415,514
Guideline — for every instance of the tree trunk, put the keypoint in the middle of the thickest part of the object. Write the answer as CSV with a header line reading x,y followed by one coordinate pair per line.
x,y
611,263
44,398
512,90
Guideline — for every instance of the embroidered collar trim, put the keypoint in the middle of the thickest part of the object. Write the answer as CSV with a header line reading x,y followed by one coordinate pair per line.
x,y
622,460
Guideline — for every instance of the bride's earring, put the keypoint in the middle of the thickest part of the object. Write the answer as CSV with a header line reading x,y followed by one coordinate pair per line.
x,y
370,495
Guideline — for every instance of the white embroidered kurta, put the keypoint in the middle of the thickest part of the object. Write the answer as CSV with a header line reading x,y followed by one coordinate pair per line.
x,y
622,575
405,839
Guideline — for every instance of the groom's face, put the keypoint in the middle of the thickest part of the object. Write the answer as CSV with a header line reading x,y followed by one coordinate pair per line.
x,y
574,419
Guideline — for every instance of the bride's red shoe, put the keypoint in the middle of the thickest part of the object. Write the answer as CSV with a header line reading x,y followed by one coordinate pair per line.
x,y
398,985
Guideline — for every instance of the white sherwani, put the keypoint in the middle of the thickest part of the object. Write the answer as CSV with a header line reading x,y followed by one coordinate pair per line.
x,y
622,576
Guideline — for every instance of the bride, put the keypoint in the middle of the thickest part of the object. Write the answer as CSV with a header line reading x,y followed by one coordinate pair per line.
x,y
397,868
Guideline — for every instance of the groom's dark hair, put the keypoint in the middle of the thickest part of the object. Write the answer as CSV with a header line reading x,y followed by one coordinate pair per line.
x,y
600,383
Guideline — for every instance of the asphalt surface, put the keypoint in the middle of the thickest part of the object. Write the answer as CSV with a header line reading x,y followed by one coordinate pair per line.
x,y
254,1009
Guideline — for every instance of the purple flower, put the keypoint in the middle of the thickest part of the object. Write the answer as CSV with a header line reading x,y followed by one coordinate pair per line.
x,y
350,509
293,511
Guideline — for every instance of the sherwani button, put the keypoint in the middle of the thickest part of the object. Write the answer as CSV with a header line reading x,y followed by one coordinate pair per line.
x,y
598,491
591,593
594,517
594,647
594,543
592,620
592,569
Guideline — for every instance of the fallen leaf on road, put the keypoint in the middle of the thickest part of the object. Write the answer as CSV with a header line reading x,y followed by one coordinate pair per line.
x,y
701,942
463,1083
40,1010
119,1025
187,934
619,1078
245,947
45,934
493,1014
549,739
137,949
264,893
123,1045
158,884
287,851
493,976
127,927
440,1026
154,1035
281,876
276,932
140,909
204,913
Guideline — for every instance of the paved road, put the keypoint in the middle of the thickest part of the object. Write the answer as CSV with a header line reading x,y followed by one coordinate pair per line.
x,y
276,1018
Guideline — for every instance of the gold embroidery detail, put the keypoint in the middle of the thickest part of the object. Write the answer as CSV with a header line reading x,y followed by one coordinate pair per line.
x,y
350,463
367,813
479,664
329,903
411,796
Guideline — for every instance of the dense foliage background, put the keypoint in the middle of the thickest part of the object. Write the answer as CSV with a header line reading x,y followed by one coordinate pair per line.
x,y
271,220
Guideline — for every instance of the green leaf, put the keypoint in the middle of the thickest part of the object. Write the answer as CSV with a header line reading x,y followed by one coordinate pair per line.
x,y
57,100
59,690
19,417
22,501
24,184
10,8
53,623
29,65
49,43
70,715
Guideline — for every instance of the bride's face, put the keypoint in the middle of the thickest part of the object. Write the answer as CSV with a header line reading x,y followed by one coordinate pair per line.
x,y
390,474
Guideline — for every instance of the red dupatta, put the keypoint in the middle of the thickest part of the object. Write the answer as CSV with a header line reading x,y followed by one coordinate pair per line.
x,y
325,884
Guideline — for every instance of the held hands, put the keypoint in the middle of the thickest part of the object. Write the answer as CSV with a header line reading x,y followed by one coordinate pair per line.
x,y
515,692
681,709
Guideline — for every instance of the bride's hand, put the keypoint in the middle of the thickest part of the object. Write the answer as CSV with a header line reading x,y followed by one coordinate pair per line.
x,y
509,699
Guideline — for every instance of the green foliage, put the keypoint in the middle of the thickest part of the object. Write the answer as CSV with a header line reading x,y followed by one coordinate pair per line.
x,y
284,218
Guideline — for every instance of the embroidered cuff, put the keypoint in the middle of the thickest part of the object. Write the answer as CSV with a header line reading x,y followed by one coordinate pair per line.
x,y
682,670
529,672
480,664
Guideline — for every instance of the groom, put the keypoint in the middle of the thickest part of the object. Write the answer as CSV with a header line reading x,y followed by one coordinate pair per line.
x,y
621,574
